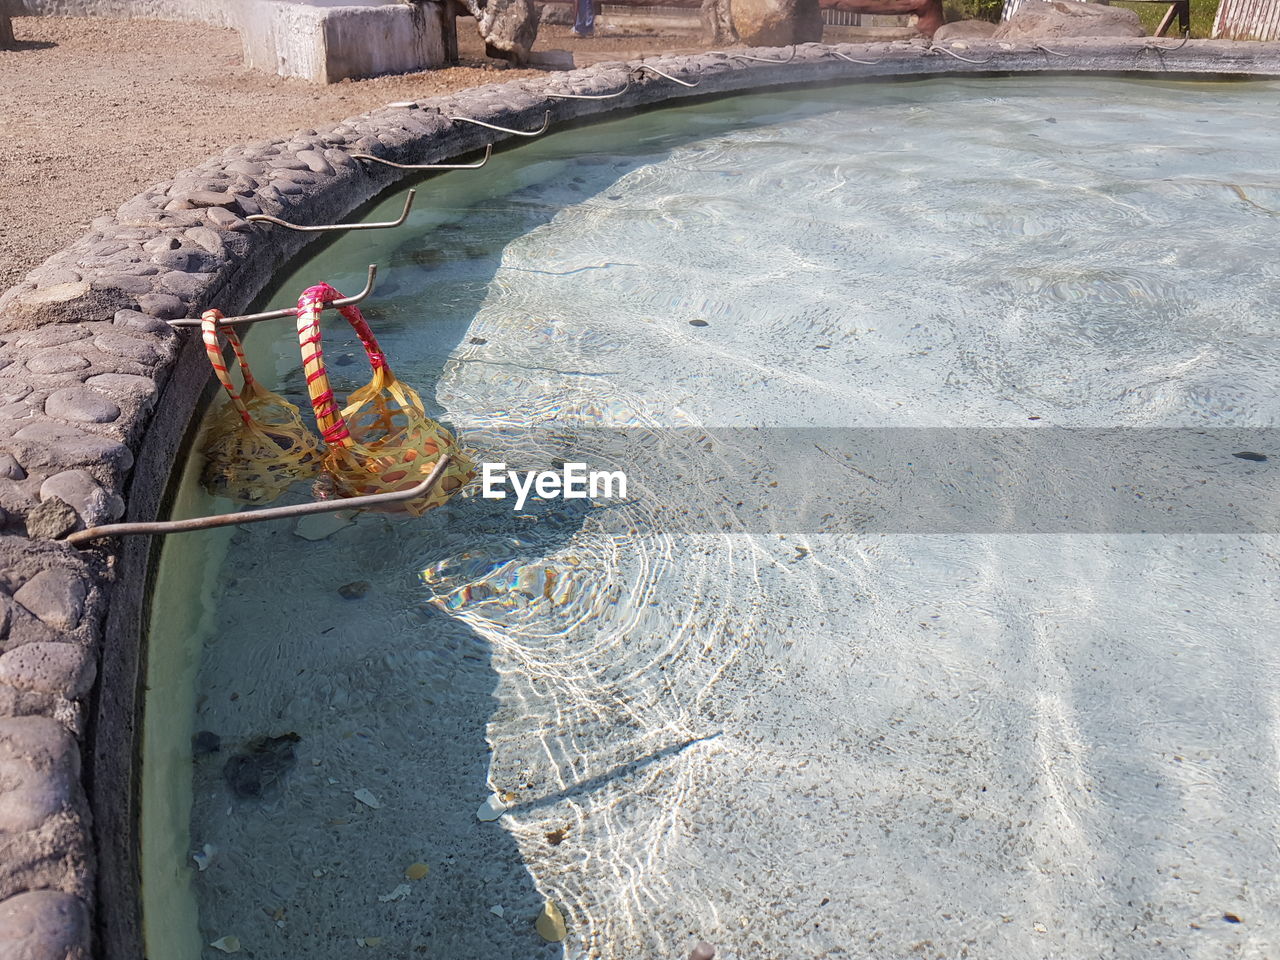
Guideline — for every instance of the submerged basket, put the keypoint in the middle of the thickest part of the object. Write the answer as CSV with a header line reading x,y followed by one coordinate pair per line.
x,y
382,441
256,445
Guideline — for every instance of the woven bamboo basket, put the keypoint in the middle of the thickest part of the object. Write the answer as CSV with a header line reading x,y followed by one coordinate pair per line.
x,y
382,441
257,444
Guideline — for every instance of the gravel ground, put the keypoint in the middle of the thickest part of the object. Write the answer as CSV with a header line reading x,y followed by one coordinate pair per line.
x,y
93,111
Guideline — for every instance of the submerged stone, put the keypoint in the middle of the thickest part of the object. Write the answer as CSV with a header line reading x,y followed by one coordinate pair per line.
x,y
321,525
206,741
491,809
399,893
354,590
550,923
262,763
365,796
203,857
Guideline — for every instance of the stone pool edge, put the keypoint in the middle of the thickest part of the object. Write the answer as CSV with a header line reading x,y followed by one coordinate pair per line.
x,y
97,393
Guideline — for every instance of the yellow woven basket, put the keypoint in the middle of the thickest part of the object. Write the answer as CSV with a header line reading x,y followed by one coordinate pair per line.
x,y
382,441
256,445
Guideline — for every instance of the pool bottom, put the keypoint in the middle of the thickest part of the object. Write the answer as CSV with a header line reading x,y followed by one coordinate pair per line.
x,y
786,743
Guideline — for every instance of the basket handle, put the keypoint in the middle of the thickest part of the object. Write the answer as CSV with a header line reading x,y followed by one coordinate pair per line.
x,y
333,428
209,329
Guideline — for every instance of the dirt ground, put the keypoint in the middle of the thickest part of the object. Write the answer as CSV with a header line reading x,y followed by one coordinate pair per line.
x,y
92,111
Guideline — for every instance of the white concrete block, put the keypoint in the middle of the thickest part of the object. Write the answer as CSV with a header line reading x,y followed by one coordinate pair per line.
x,y
320,40
327,43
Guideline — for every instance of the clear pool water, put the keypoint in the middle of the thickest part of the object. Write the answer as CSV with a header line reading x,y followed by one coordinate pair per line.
x,y
786,742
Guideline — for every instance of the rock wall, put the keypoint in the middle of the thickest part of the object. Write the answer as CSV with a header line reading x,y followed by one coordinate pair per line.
x,y
97,392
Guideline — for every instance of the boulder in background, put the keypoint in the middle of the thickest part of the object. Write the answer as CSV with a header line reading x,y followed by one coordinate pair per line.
x,y
1055,19
964,29
777,23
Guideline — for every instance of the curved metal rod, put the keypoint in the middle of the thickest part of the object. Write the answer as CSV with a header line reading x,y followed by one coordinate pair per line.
x,y
287,311
1053,53
667,76
590,96
546,122
1186,36
747,56
952,53
327,227
854,59
488,152
258,516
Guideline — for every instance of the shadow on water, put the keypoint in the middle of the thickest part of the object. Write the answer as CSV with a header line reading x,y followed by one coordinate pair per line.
x,y
476,866
383,693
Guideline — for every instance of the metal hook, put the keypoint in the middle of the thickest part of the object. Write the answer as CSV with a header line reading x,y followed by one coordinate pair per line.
x,y
854,60
546,122
327,227
588,96
287,311
267,513
667,76
747,56
1186,36
952,53
1053,53
488,152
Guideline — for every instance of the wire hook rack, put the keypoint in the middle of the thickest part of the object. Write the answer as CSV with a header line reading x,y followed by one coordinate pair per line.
x,y
747,56
488,152
546,122
952,53
83,537
591,96
1152,45
1053,53
329,227
645,65
869,63
286,311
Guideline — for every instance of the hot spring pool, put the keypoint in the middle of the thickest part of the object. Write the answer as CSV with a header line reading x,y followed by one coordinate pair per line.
x,y
788,740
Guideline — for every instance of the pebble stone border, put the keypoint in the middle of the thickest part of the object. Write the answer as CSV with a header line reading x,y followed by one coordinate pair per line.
x,y
97,393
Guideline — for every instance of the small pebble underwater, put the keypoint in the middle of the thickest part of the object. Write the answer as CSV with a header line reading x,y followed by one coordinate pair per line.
x,y
398,737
